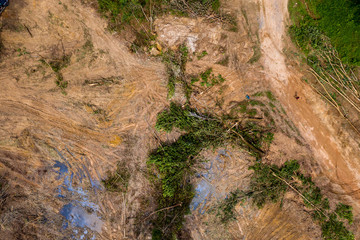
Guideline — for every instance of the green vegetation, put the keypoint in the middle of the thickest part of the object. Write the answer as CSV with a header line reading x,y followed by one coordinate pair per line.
x,y
328,33
270,96
226,208
172,162
57,66
175,63
270,182
22,51
202,54
125,11
140,15
345,212
171,166
333,229
142,39
118,181
266,186
258,94
337,19
4,187
257,54
269,137
208,79
246,107
255,103
2,47
103,81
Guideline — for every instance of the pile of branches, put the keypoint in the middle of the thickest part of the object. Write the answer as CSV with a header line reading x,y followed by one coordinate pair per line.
x,y
336,82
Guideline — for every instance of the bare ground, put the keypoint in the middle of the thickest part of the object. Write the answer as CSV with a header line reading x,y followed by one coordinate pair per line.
x,y
109,111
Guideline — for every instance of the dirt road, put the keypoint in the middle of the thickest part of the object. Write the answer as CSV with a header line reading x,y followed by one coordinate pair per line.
x,y
335,149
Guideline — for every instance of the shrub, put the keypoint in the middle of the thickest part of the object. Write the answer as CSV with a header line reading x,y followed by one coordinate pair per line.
x,y
344,212
265,186
226,208
333,229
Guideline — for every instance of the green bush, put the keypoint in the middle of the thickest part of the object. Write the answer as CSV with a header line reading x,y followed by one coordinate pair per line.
x,y
226,208
333,229
345,212
209,79
265,186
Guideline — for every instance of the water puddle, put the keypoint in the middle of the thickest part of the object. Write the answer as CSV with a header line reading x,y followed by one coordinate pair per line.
x,y
210,186
77,190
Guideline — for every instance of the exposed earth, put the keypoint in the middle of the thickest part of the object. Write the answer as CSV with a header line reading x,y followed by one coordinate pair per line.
x,y
58,144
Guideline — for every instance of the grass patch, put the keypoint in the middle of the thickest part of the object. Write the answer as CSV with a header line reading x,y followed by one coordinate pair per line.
x,y
22,51
258,94
256,103
124,11
269,137
337,19
270,96
327,32
175,62
208,79
247,108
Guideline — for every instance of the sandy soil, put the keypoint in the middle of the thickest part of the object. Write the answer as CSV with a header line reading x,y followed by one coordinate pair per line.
x,y
55,149
107,116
